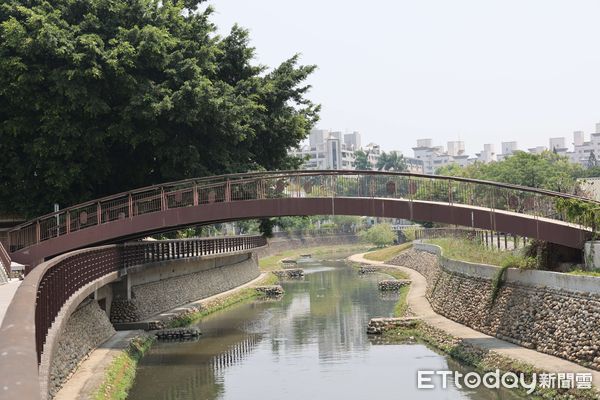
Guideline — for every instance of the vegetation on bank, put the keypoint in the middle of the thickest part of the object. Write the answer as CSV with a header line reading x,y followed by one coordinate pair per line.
x,y
120,375
381,235
587,273
471,251
481,359
387,253
224,302
272,263
401,307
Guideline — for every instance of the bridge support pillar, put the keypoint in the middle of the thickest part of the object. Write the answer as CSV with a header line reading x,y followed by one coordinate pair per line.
x,y
591,252
121,289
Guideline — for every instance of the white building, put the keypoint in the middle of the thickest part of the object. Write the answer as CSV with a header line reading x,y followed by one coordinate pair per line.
x,y
352,140
581,152
488,154
328,150
456,148
557,144
537,149
578,138
507,148
373,153
434,157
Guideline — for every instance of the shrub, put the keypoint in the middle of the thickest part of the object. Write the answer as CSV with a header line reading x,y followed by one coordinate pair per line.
x,y
380,235
520,262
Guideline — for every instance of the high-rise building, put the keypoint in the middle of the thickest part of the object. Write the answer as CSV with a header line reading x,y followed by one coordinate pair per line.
x,y
352,140
488,154
424,142
434,157
509,147
373,153
456,148
582,149
326,150
537,149
578,138
317,136
557,144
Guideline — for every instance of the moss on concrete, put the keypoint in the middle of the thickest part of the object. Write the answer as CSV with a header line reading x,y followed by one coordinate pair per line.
x,y
120,375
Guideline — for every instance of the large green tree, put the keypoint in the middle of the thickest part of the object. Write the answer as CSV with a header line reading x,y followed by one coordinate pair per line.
x,y
100,96
546,170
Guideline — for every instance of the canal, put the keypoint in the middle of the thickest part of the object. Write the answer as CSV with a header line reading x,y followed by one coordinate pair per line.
x,y
309,345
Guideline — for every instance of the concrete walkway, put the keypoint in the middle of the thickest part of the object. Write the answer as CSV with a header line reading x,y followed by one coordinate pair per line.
x,y
90,374
420,306
7,292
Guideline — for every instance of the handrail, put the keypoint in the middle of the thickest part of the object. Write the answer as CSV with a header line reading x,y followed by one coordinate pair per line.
x,y
193,192
5,259
47,288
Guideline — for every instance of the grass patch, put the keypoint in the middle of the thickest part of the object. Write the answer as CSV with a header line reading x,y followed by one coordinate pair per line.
x,y
401,306
272,263
394,272
120,374
586,273
223,302
387,253
470,251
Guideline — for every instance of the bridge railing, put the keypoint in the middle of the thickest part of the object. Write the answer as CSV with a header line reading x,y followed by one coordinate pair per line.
x,y
5,260
302,184
136,253
47,289
63,277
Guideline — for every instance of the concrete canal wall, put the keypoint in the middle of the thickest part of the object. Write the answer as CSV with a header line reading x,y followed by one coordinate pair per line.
x,y
554,313
146,290
140,292
153,288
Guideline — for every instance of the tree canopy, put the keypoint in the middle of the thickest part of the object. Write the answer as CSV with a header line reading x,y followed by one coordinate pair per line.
x,y
546,171
98,97
392,161
380,235
361,160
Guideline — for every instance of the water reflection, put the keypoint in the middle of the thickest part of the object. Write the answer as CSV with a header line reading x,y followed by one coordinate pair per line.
x,y
310,345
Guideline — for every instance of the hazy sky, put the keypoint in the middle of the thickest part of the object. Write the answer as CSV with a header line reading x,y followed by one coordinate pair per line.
x,y
479,70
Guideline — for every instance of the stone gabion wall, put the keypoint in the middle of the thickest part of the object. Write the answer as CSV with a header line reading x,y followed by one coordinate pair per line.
x,y
152,298
86,329
561,323
123,310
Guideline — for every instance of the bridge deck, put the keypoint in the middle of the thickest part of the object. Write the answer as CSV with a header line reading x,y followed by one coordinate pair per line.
x,y
552,230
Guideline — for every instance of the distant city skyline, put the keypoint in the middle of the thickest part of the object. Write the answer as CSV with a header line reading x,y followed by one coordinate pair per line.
x,y
560,142
480,72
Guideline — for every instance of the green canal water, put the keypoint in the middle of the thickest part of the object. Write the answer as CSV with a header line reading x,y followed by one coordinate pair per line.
x,y
309,345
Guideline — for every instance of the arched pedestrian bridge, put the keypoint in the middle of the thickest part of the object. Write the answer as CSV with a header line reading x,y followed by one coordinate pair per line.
x,y
518,210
